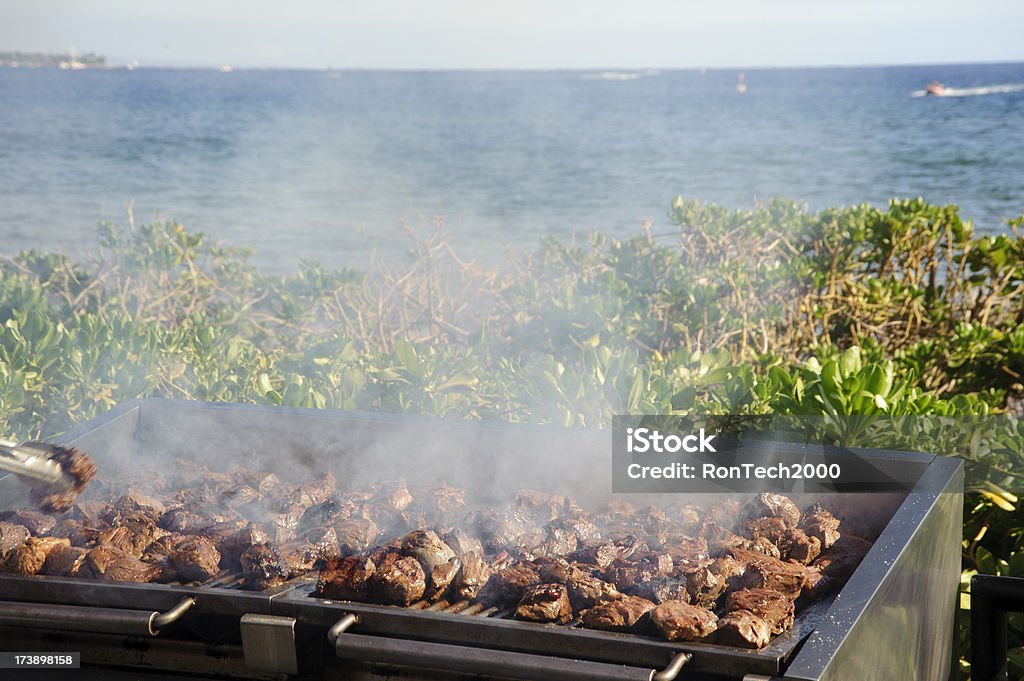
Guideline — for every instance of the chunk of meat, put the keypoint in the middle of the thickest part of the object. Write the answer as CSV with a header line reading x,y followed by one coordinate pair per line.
x,y
195,559
801,547
398,580
64,560
11,537
817,521
545,603
440,579
473,574
765,572
346,579
744,629
426,547
76,465
110,564
623,614
264,567
38,524
773,505
30,556
704,587
837,564
506,587
586,590
678,621
771,606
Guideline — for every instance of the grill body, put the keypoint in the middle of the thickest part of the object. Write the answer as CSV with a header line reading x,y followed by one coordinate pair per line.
x,y
893,619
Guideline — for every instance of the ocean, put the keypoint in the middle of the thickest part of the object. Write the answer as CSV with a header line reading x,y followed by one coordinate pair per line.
x,y
332,165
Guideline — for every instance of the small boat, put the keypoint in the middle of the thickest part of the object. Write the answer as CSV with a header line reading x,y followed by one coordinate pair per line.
x,y
935,88
741,87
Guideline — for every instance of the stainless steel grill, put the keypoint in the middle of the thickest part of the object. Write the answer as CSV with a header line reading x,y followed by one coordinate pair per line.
x,y
893,619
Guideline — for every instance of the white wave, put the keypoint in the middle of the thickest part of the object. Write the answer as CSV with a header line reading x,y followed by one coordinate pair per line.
x,y
973,91
621,75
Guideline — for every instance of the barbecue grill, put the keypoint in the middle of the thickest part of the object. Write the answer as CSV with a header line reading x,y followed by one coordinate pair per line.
x,y
892,619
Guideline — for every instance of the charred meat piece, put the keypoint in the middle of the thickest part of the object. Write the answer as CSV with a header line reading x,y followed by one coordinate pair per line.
x,y
346,579
355,535
605,553
239,494
818,522
134,504
801,547
661,589
765,572
233,545
77,532
461,542
76,465
721,540
38,524
704,587
283,521
542,506
441,578
744,629
64,560
545,603
729,570
325,541
182,521
585,530
773,528
623,614
689,518
195,559
398,580
472,575
502,528
558,542
426,547
678,621
771,606
394,496
773,505
836,565
765,546
586,590
506,587
686,549
30,556
552,570
11,537
264,567
110,564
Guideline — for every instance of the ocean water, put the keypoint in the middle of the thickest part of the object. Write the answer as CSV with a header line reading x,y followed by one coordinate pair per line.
x,y
332,165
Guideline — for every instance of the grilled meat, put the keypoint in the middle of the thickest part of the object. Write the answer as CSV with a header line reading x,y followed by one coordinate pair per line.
x,y
507,586
586,590
112,564
63,560
704,587
346,579
264,567
195,559
38,524
771,606
472,575
30,556
773,505
622,614
441,578
744,629
76,465
818,522
763,571
678,621
545,603
426,547
836,565
11,537
801,547
398,580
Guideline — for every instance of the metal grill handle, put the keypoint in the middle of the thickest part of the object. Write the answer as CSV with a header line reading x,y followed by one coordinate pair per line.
x,y
85,618
486,661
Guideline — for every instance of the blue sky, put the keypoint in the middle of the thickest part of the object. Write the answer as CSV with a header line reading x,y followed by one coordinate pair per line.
x,y
524,34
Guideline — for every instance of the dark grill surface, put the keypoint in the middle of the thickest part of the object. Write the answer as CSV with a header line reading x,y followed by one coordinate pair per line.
x,y
207,638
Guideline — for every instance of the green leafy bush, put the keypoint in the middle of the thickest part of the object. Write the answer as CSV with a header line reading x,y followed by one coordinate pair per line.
x,y
850,311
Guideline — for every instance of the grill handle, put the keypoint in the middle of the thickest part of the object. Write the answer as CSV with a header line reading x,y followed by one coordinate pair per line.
x,y
84,618
485,661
